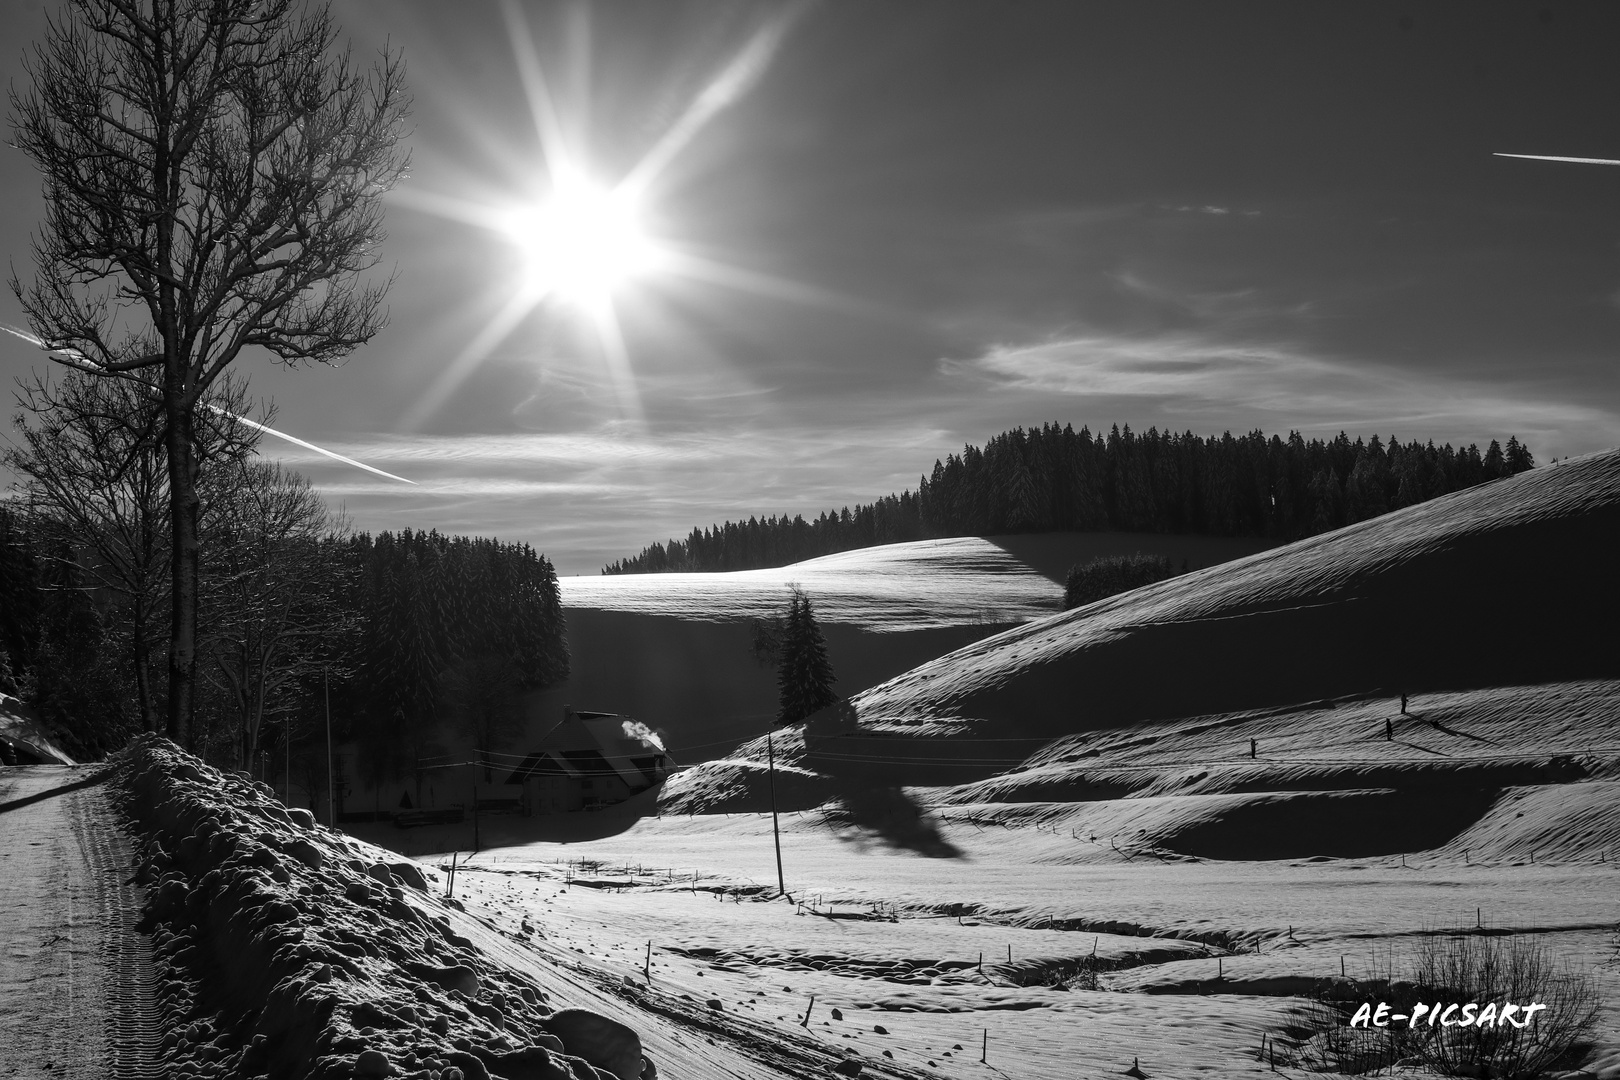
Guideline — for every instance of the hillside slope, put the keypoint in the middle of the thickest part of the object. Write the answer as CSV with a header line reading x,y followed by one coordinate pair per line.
x,y
920,585
1506,583
675,650
1133,717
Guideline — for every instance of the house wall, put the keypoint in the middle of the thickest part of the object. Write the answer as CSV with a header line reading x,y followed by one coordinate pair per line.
x,y
439,789
552,794
604,788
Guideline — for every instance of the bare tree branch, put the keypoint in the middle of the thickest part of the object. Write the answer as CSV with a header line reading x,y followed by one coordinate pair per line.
x,y
213,173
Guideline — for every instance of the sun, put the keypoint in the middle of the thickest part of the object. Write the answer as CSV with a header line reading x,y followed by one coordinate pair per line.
x,y
582,241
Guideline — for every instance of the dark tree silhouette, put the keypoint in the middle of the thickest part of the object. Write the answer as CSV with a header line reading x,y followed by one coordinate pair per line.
x,y
1056,479
272,573
804,675
213,177
94,479
483,694
1101,578
429,603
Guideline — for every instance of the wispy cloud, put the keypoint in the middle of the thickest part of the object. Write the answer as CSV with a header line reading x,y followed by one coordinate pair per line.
x,y
469,487
523,450
589,495
1186,379
585,498
1207,208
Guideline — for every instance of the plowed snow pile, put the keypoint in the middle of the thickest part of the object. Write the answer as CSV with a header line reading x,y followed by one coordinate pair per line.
x,y
287,950
294,951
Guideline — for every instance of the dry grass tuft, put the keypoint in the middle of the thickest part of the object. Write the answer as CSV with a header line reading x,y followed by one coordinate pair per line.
x,y
1461,967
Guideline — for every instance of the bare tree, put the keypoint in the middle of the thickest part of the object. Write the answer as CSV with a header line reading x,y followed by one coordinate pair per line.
x,y
273,571
213,180
95,482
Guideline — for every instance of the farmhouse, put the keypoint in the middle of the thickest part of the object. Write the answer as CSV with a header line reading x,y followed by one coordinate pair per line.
x,y
589,760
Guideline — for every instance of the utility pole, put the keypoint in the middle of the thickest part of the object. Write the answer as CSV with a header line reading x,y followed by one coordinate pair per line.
x,y
331,792
776,830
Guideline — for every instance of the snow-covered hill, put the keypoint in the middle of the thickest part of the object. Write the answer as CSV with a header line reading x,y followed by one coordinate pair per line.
x,y
1253,709
1510,582
929,583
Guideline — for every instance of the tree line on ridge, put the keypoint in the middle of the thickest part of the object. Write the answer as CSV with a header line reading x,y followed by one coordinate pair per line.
x,y
1052,479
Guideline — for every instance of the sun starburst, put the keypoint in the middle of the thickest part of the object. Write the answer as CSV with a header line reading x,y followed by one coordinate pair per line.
x,y
583,241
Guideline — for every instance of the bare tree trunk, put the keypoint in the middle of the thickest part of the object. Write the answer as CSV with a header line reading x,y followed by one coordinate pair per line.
x,y
143,678
253,712
183,562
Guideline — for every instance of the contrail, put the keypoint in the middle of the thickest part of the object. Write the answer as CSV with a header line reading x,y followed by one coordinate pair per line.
x,y
1577,160
334,455
74,359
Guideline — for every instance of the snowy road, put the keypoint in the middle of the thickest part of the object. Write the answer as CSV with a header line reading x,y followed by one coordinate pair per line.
x,y
75,980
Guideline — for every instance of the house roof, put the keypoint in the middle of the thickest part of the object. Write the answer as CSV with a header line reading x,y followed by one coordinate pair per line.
x,y
586,744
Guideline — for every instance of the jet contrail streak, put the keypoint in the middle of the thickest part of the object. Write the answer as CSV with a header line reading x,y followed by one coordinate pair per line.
x,y
334,455
74,359
1577,160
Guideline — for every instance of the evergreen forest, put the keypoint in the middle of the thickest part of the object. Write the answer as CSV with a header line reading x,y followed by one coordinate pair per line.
x,y
1055,479
399,634
1101,578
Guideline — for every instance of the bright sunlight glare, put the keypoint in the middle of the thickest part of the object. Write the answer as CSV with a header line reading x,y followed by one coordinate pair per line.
x,y
581,242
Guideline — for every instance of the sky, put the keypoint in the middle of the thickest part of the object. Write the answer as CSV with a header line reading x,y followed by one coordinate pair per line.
x,y
875,232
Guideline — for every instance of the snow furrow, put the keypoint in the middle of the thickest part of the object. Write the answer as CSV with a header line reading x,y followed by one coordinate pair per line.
x,y
134,1021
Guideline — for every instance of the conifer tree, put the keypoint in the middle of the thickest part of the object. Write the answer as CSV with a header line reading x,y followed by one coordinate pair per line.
x,y
804,675
1517,456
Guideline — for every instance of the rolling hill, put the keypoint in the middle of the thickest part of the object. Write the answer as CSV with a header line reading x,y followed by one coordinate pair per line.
x,y
674,649
1490,608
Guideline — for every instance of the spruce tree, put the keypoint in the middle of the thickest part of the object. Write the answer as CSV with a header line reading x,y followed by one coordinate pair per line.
x,y
1517,456
804,675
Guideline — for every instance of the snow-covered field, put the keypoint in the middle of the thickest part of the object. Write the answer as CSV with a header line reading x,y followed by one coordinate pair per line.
x,y
961,581
1225,758
284,949
1198,958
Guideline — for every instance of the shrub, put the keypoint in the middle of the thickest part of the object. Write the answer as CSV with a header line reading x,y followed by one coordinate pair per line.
x,y
1460,967
1101,578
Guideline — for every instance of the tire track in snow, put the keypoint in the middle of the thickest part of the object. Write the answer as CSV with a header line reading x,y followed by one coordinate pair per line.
x,y
51,793
134,1022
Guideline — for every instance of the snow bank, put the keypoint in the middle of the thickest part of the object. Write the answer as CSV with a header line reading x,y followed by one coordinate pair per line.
x,y
288,950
